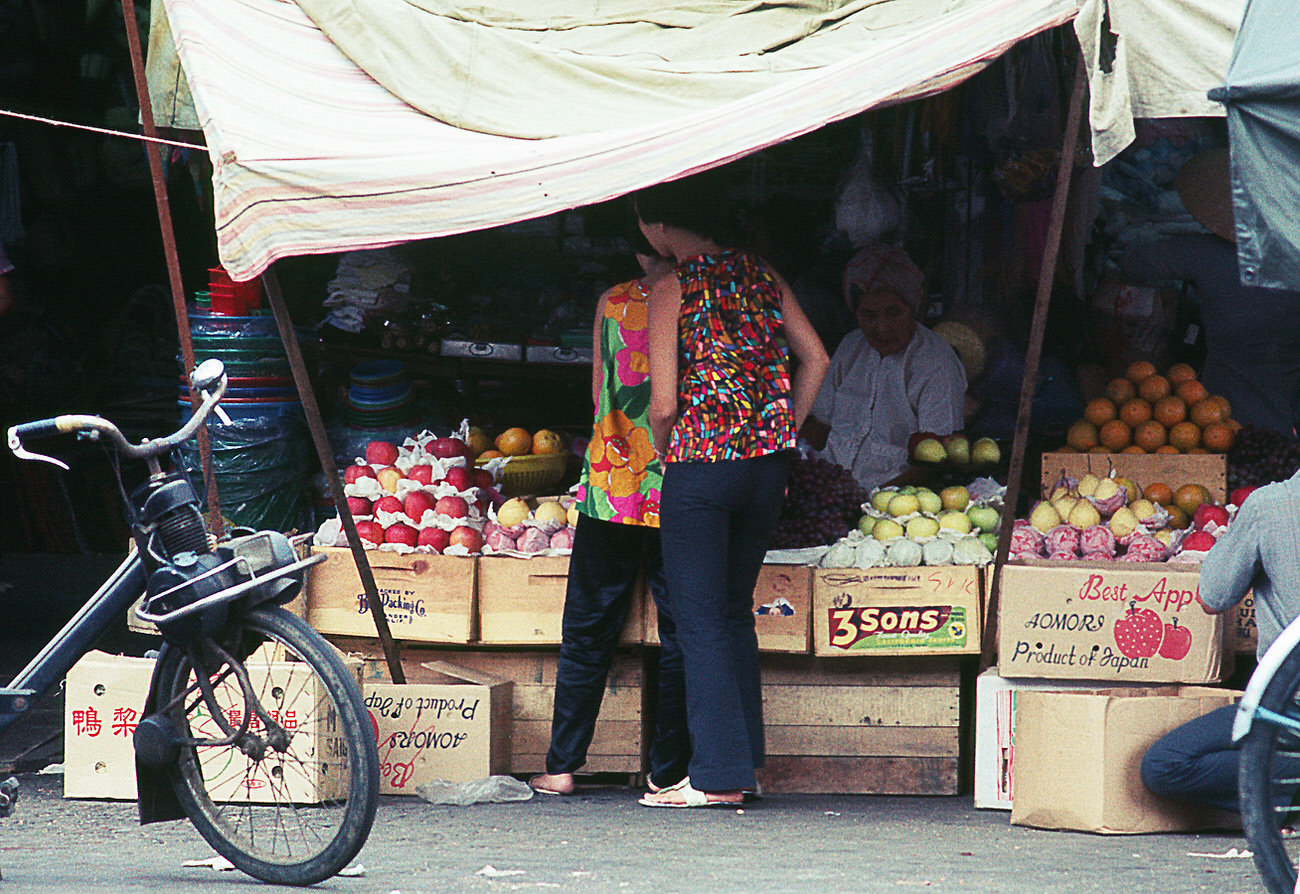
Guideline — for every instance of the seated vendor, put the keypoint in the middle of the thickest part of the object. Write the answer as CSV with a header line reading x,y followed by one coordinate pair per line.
x,y
889,379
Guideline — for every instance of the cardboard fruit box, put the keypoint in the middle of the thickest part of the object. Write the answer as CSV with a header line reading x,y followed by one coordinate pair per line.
x,y
920,610
1122,621
1089,779
1173,469
427,597
521,602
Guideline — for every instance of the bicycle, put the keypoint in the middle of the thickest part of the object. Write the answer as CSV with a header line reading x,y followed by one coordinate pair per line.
x,y
1267,730
248,705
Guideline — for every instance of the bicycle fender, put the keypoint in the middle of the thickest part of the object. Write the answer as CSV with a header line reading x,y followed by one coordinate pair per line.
x,y
157,798
1262,676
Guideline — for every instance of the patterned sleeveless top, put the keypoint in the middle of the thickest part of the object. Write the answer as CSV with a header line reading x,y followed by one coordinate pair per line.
x,y
621,478
734,365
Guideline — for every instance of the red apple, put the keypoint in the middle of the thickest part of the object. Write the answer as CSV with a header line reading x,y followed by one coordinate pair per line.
x,y
447,448
381,453
354,473
360,506
1177,641
422,473
452,507
1198,540
436,538
401,533
1208,512
370,530
483,478
1239,496
389,503
467,537
459,477
417,501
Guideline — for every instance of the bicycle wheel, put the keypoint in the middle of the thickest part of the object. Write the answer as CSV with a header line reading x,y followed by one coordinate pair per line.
x,y
289,808
1269,779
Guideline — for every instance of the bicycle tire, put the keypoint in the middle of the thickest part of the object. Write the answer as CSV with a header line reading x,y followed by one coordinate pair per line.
x,y
281,837
1268,781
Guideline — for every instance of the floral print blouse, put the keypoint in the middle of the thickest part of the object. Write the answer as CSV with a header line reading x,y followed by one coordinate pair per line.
x,y
733,391
621,477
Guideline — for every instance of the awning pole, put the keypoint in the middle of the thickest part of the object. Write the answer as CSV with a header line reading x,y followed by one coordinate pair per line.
x,y
1033,354
169,249
326,453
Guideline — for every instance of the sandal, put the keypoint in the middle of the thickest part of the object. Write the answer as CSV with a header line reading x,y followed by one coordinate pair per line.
x,y
683,794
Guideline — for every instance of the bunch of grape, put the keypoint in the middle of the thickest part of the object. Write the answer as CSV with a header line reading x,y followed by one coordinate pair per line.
x,y
822,503
1261,455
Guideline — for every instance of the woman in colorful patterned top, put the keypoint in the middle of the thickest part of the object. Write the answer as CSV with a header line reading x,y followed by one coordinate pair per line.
x,y
724,412
617,538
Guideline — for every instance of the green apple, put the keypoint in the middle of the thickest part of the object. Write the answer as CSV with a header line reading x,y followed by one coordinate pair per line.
x,y
880,499
929,450
886,529
922,527
953,520
903,504
957,448
985,450
866,523
955,497
929,500
990,541
985,518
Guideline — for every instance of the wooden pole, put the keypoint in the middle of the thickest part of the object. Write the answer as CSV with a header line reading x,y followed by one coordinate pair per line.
x,y
1033,354
326,453
152,151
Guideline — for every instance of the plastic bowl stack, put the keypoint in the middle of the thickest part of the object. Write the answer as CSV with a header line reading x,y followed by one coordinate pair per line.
x,y
380,395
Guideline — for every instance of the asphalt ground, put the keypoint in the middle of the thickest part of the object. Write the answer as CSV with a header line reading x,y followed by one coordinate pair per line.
x,y
601,840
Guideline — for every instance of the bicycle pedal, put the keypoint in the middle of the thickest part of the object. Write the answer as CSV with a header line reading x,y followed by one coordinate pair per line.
x,y
16,701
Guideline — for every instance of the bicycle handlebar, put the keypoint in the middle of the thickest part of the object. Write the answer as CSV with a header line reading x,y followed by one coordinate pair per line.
x,y
209,377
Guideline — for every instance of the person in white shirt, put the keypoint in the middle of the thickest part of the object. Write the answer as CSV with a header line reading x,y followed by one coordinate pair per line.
x,y
889,379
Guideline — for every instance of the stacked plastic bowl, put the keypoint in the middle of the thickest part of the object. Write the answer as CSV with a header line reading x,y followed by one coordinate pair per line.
x,y
380,395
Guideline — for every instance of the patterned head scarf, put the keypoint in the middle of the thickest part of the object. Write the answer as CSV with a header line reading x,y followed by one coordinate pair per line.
x,y
884,266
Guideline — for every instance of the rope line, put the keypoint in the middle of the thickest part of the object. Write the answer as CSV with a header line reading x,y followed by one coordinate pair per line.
x,y
113,133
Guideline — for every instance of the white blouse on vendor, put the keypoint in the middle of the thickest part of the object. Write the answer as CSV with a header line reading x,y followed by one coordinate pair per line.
x,y
873,404
889,379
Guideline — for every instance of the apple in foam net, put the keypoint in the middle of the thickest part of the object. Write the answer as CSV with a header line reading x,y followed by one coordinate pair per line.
x,y
370,530
464,535
381,453
452,507
401,533
417,502
459,477
434,537
389,503
360,506
483,478
422,473
447,448
1208,512
355,473
1198,540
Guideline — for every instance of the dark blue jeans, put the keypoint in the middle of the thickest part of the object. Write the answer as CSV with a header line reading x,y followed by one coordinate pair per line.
x,y
1196,762
603,569
717,520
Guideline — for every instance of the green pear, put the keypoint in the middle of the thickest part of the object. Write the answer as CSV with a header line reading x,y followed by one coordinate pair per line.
x,y
1084,515
880,499
955,520
922,527
1087,485
985,451
886,529
1123,522
929,500
1044,517
866,523
903,504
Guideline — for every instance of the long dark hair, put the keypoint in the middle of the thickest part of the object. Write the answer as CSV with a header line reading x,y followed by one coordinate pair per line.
x,y
697,204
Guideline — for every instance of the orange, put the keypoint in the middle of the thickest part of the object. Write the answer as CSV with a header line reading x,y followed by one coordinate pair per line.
x,y
1100,411
1099,449
1135,411
489,454
514,442
1115,435
1227,407
1152,388
1082,435
1185,436
1132,448
1192,450
1179,373
1189,496
1191,391
1170,410
1149,435
1167,448
1207,412
1159,492
1218,437
1120,390
1139,370
546,442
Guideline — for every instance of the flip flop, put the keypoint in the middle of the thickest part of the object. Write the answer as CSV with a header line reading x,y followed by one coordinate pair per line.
x,y
691,797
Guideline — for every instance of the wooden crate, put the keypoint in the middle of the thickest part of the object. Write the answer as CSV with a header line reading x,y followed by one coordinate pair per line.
x,y
782,610
521,602
887,725
1173,469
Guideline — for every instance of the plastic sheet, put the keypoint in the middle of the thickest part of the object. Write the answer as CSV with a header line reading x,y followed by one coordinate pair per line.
x,y
492,789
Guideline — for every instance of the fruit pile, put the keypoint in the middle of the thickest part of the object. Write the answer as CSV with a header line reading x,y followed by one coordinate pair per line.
x,y
903,526
514,527
928,448
1108,519
1145,412
424,495
1261,456
822,504
514,441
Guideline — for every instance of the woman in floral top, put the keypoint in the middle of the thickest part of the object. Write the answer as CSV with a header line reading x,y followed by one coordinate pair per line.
x,y
724,411
617,538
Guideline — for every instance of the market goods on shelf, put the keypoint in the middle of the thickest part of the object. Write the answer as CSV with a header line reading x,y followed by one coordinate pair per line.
x,y
1112,519
1146,412
904,526
518,528
822,504
956,449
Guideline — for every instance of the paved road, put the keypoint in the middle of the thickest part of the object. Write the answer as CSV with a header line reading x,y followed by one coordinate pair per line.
x,y
603,841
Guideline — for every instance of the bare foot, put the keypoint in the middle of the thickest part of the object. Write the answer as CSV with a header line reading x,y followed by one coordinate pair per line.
x,y
552,783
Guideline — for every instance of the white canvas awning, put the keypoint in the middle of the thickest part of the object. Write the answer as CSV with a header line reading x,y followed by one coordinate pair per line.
x,y
311,154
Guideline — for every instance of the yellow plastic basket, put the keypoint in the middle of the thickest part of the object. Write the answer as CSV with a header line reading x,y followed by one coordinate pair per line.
x,y
530,474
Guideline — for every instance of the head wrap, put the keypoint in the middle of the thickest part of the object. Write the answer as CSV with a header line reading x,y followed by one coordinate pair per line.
x,y
888,267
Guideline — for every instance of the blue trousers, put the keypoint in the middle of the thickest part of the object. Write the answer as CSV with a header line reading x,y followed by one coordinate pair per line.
x,y
603,569
717,520
1196,762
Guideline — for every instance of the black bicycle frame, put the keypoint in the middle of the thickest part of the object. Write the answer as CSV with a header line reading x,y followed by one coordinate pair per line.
x,y
79,635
